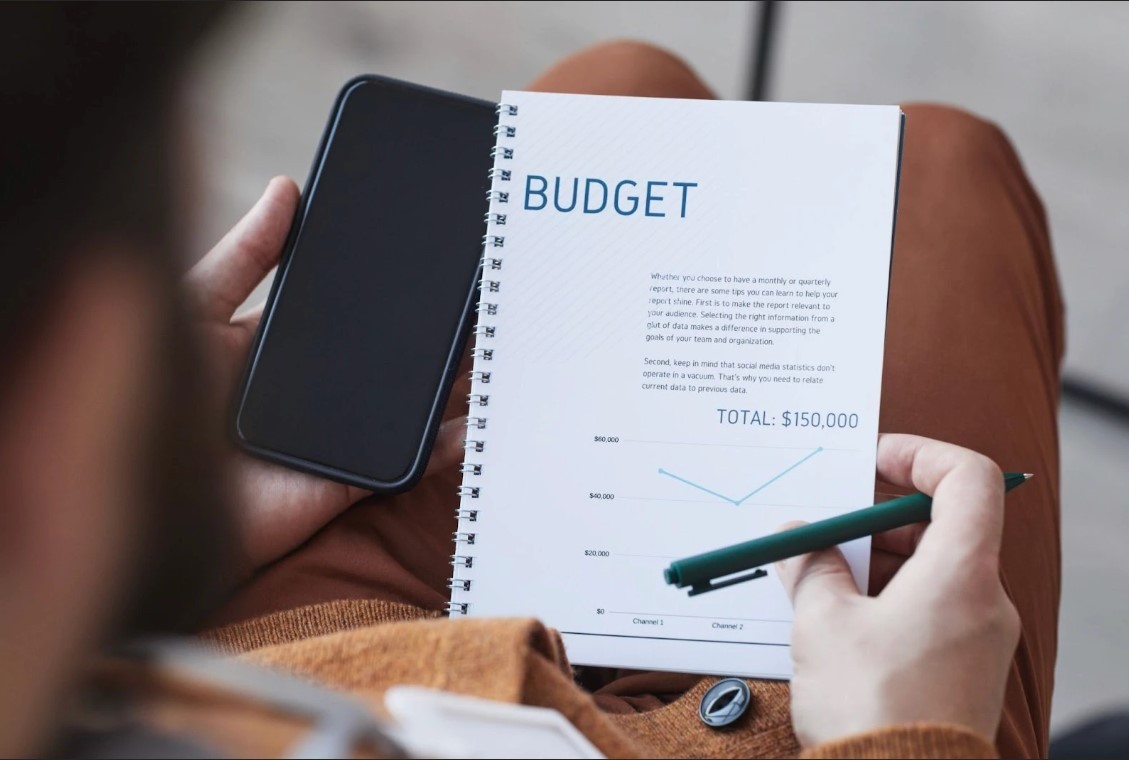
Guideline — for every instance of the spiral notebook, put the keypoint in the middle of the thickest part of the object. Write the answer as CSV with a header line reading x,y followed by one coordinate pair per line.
x,y
679,346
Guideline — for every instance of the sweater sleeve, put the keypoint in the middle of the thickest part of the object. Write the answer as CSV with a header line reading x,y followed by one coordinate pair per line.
x,y
915,740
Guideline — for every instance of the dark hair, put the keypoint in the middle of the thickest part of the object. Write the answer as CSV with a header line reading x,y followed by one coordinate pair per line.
x,y
84,143
86,154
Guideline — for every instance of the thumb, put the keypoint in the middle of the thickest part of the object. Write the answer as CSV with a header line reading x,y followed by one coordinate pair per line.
x,y
225,277
816,577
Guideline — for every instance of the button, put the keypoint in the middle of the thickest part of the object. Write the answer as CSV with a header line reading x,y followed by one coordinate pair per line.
x,y
725,702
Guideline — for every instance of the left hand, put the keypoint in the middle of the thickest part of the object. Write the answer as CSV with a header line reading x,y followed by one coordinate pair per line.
x,y
278,509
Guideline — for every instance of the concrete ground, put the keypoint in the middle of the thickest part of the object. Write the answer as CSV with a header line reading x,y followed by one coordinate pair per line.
x,y
1052,74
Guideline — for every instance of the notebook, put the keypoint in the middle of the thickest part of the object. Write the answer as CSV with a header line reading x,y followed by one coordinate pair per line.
x,y
679,347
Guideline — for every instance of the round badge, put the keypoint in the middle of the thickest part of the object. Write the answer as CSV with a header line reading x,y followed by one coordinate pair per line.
x,y
725,702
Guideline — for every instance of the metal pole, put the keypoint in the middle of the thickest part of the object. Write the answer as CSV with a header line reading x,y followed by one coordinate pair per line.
x,y
766,21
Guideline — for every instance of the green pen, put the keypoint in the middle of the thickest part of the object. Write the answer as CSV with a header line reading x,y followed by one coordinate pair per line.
x,y
700,571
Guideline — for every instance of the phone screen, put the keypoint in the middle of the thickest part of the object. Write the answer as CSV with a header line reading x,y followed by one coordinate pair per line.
x,y
367,310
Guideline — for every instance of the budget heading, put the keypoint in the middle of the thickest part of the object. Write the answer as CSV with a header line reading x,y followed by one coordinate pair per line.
x,y
591,195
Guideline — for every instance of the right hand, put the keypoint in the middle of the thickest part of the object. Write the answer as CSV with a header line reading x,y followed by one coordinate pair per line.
x,y
937,643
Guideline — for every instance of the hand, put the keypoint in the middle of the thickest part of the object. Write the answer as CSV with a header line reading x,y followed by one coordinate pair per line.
x,y
937,642
278,509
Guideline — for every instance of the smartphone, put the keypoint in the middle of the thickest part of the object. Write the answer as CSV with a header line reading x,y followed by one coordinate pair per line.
x,y
374,297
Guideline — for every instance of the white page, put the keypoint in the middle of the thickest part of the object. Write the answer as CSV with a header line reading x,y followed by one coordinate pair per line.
x,y
781,250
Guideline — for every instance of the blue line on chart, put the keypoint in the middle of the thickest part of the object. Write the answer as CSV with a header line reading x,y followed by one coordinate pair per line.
x,y
750,494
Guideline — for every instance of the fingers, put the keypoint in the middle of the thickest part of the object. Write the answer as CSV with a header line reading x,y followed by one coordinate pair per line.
x,y
448,448
457,401
901,541
816,578
883,567
967,491
225,277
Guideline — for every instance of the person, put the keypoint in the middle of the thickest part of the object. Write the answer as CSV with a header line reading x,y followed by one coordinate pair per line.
x,y
126,510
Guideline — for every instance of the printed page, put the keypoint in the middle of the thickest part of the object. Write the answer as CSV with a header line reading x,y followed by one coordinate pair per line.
x,y
689,309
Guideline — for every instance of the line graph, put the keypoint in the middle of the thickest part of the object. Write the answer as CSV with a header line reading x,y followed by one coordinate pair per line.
x,y
750,494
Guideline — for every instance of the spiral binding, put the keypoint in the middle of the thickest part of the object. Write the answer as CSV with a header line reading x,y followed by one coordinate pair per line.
x,y
493,242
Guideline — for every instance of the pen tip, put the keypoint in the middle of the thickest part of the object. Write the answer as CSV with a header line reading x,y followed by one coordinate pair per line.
x,y
1028,475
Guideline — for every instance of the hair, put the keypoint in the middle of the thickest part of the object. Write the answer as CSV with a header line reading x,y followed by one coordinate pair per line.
x,y
87,156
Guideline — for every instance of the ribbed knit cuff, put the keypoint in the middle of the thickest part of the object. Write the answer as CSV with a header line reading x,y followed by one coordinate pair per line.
x,y
916,740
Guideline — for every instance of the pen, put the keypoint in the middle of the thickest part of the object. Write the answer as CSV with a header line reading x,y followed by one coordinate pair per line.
x,y
709,571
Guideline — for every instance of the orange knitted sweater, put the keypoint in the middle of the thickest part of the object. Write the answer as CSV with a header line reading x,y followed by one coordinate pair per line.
x,y
365,647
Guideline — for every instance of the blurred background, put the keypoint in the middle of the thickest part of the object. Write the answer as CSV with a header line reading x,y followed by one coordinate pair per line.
x,y
1053,75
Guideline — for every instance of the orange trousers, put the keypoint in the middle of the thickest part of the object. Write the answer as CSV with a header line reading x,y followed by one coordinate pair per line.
x,y
973,349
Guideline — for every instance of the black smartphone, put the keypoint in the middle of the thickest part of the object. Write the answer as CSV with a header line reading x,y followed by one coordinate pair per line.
x,y
374,297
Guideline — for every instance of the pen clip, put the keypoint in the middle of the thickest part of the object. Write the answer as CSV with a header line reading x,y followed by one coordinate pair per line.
x,y
701,588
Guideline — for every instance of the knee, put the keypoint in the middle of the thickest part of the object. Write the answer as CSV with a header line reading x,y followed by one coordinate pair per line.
x,y
947,147
953,136
638,57
624,67
967,210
